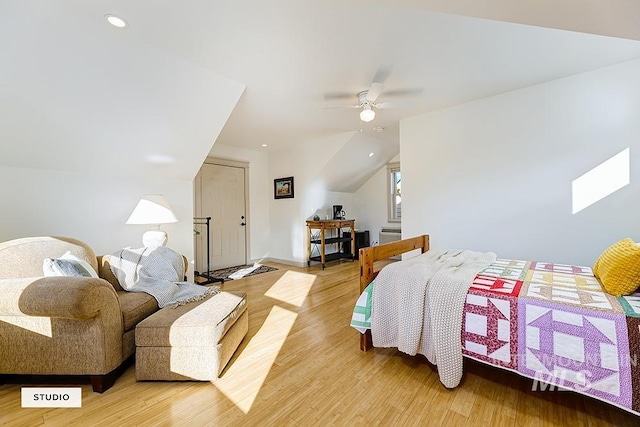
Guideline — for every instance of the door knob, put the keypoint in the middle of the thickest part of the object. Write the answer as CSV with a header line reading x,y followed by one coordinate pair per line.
x,y
243,224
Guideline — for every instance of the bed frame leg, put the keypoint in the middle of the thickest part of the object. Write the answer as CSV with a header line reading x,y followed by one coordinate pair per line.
x,y
366,342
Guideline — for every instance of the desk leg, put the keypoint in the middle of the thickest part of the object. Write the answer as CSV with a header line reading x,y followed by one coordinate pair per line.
x,y
322,246
353,242
309,246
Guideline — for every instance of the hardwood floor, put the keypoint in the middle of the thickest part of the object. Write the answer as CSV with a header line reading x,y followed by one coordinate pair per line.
x,y
300,365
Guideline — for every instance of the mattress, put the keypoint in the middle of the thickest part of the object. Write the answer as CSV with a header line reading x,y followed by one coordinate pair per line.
x,y
552,323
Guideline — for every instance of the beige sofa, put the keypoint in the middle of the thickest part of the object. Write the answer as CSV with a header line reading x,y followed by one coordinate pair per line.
x,y
64,326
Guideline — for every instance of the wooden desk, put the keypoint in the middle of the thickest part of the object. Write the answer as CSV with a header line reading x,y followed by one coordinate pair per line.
x,y
319,240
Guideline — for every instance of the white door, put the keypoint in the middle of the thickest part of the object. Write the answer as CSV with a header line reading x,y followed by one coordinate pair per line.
x,y
221,195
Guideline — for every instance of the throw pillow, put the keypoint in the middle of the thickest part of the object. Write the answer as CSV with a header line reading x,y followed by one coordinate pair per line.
x,y
68,265
618,268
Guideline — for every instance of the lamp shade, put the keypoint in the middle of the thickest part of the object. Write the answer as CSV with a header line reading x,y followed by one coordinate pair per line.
x,y
367,114
152,209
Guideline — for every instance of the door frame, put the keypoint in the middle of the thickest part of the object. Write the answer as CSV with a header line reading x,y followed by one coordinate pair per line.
x,y
245,167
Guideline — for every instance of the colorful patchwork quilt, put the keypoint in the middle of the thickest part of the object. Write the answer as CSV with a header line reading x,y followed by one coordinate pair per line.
x,y
552,323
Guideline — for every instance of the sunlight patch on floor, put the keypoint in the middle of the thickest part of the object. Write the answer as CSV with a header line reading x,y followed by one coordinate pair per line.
x,y
39,325
242,380
292,288
601,181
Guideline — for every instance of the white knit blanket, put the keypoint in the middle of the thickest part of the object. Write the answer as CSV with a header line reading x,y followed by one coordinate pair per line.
x,y
158,272
418,304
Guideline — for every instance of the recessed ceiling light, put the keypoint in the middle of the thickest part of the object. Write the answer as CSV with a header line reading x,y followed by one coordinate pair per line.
x,y
264,145
116,21
371,154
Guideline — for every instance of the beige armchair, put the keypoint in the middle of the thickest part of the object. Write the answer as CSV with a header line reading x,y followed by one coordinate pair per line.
x,y
64,326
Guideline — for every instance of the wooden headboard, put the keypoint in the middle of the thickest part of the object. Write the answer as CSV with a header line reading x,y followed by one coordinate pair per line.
x,y
368,256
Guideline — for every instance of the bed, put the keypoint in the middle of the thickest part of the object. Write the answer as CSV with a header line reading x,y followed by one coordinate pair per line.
x,y
550,322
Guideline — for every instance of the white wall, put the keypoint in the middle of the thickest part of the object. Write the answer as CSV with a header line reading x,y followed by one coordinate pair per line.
x,y
277,227
496,174
288,241
260,190
89,207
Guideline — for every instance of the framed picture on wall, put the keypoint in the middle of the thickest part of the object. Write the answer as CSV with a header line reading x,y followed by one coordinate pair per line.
x,y
283,188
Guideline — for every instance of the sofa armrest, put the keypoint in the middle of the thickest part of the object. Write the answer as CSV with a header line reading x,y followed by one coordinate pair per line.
x,y
78,298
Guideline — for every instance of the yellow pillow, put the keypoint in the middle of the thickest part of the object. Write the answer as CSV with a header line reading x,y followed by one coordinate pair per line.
x,y
618,268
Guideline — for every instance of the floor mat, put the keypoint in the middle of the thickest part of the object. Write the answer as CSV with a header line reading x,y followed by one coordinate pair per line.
x,y
237,272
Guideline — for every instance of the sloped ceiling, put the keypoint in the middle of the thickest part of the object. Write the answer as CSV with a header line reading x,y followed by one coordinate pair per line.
x,y
615,18
81,95
357,160
152,99
291,54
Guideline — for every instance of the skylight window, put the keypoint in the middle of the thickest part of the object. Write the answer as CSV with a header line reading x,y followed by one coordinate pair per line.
x,y
601,181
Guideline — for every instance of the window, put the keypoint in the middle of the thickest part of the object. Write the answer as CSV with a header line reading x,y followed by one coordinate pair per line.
x,y
394,192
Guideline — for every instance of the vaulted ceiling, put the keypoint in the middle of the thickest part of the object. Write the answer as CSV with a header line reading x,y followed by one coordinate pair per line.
x,y
184,75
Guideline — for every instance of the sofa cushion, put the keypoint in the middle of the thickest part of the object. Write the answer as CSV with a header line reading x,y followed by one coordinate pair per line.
x,y
104,270
135,307
68,265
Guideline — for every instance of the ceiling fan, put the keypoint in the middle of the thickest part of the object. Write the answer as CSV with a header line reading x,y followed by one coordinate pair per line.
x,y
368,99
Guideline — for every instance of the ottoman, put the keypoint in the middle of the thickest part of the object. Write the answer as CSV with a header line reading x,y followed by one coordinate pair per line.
x,y
194,341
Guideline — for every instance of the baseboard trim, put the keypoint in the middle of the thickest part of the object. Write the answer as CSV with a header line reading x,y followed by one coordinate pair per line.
x,y
281,261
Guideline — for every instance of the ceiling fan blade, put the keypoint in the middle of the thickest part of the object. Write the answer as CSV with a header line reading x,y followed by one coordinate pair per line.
x,y
374,91
382,74
338,95
331,107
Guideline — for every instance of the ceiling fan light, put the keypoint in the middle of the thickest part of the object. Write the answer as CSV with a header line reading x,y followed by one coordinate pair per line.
x,y
367,114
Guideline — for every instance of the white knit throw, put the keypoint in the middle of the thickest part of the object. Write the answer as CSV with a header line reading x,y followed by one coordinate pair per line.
x,y
159,272
417,306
